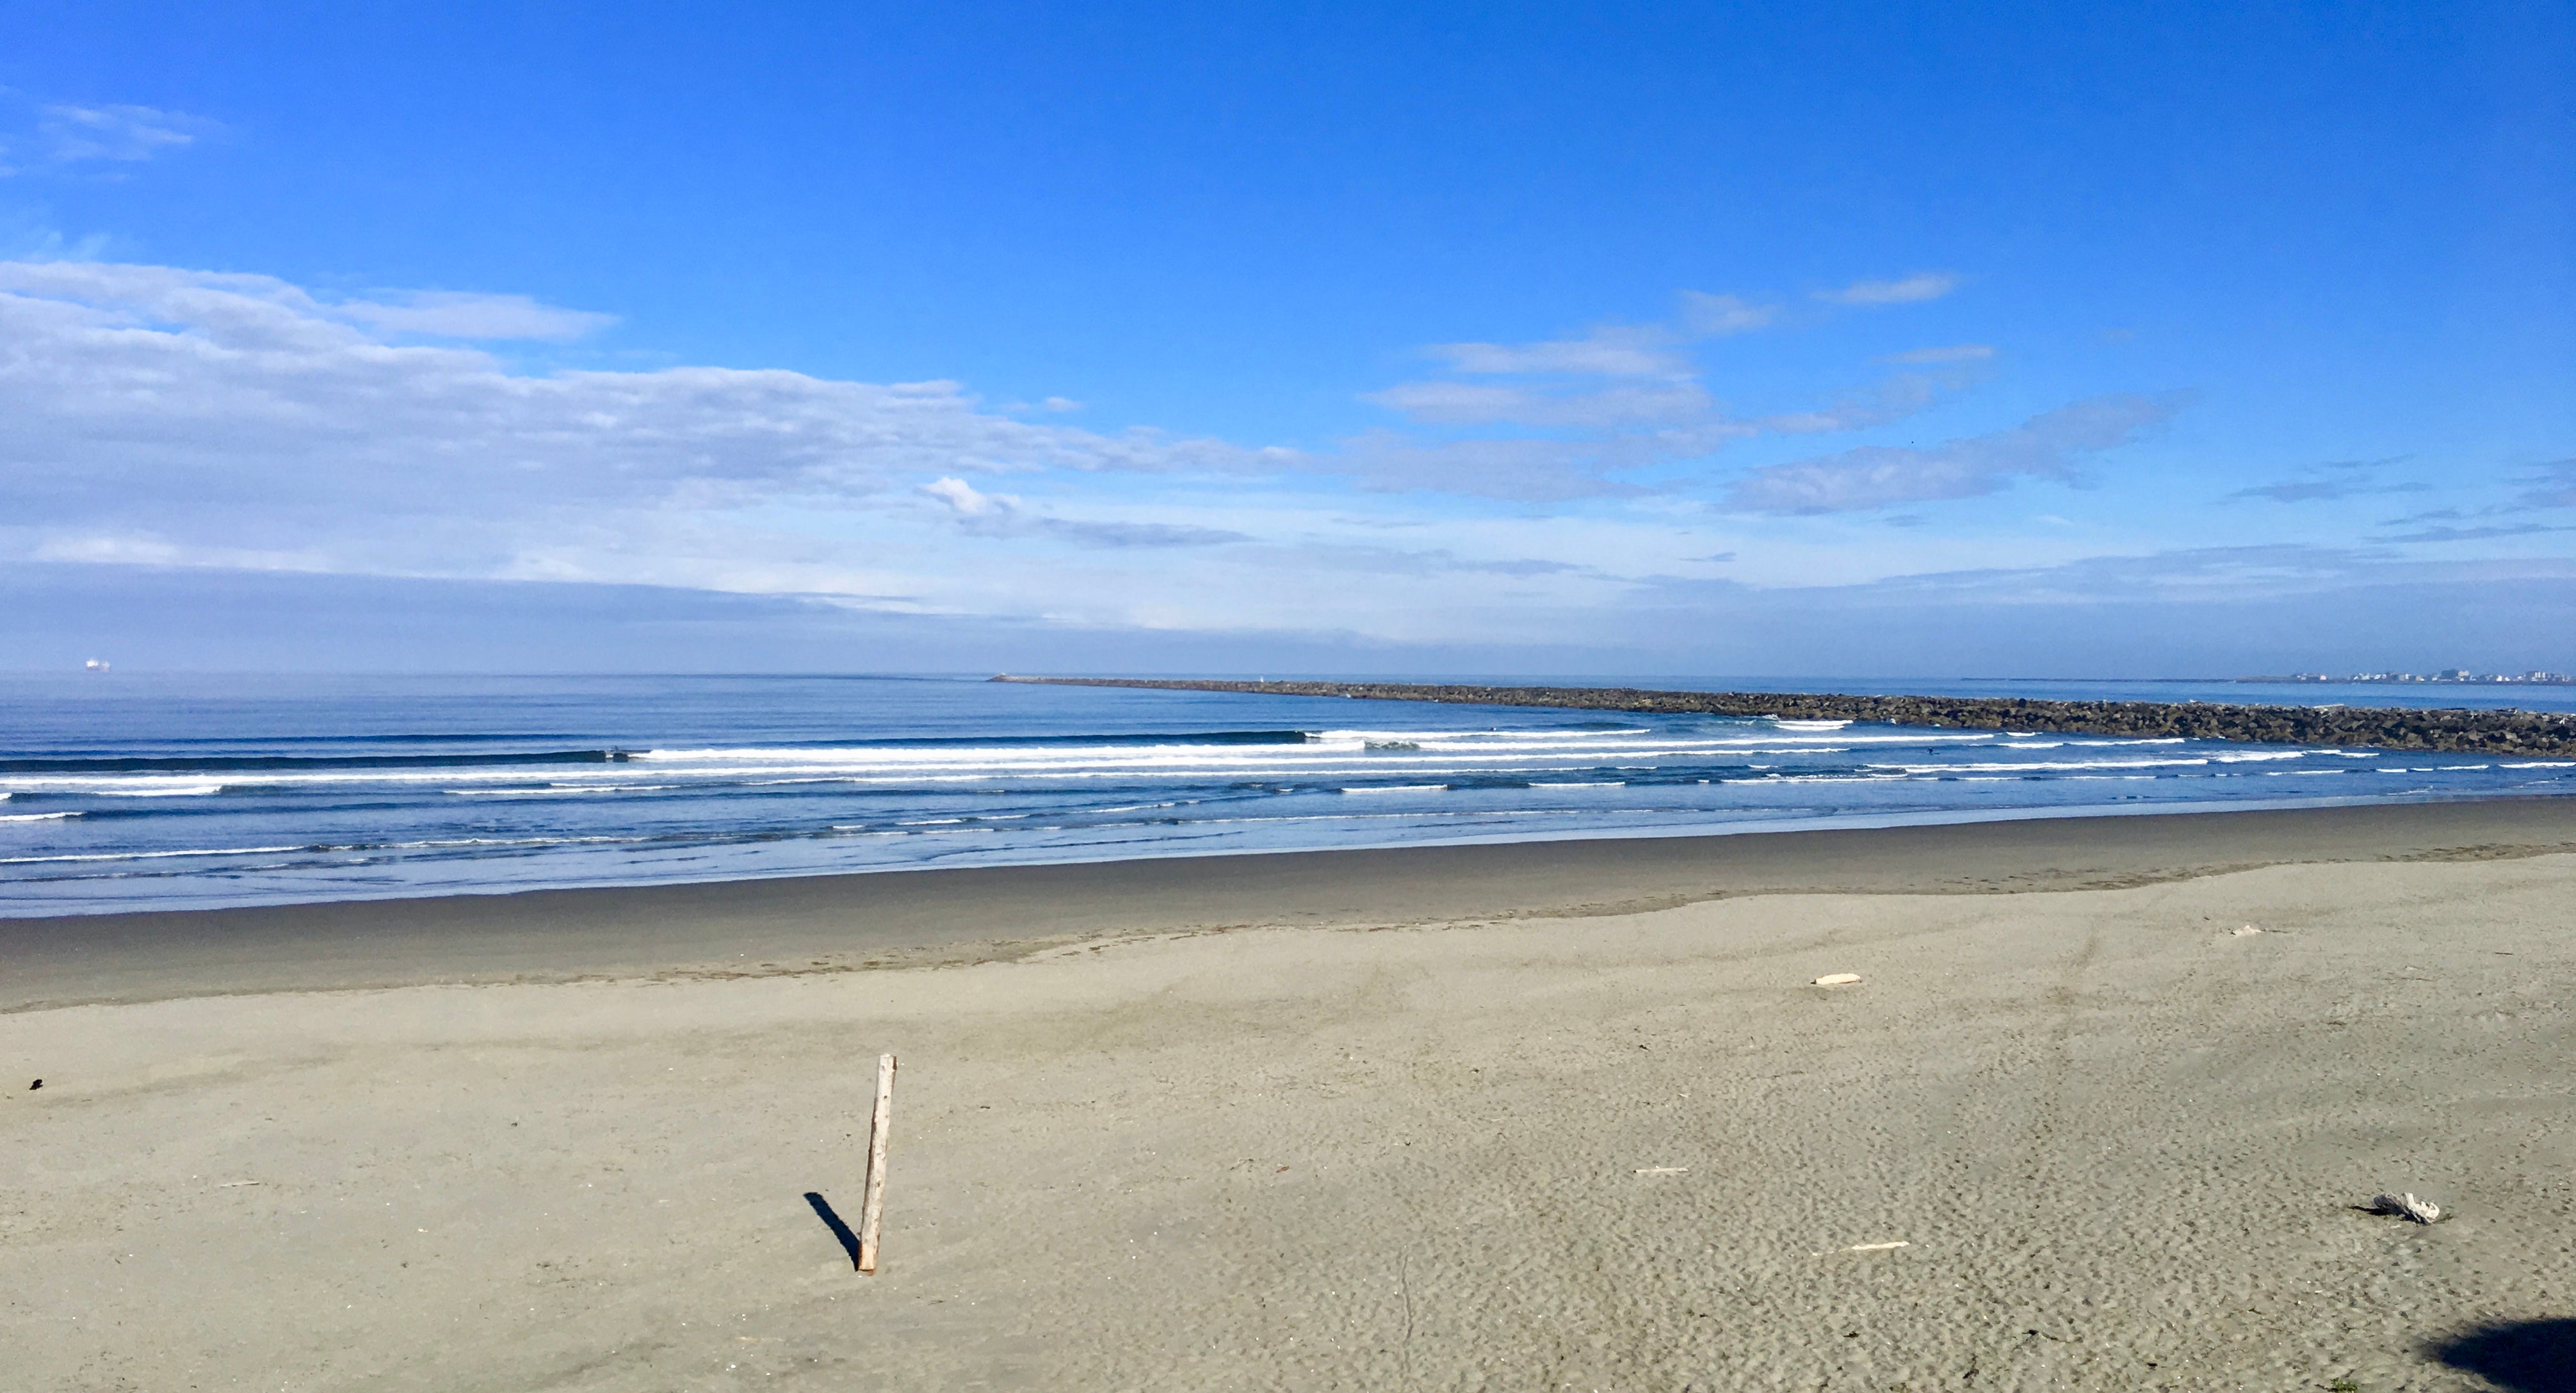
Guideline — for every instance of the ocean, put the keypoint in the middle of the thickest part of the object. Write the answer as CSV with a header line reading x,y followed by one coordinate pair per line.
x,y
128,791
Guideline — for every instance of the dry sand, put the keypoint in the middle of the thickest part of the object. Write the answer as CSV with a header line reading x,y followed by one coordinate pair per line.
x,y
1630,1148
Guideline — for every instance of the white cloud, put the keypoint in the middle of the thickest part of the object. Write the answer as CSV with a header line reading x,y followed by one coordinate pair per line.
x,y
1955,353
963,499
1714,316
1922,285
452,315
203,419
2048,445
231,411
163,417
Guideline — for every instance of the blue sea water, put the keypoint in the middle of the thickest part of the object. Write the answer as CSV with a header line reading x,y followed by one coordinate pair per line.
x,y
134,791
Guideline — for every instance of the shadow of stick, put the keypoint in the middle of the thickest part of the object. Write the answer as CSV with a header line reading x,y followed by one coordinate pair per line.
x,y
832,1221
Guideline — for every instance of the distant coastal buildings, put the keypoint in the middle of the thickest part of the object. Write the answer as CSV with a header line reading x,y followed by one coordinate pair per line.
x,y
2535,677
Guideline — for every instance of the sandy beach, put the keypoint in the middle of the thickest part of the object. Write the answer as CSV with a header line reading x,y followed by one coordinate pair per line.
x,y
1557,1116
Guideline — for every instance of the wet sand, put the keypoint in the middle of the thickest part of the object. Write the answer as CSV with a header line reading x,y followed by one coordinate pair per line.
x,y
1557,1116
806,923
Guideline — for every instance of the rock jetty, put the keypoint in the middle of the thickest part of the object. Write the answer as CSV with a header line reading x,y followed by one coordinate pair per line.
x,y
2387,728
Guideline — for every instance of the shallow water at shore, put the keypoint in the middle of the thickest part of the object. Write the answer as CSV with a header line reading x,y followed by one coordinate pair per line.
x,y
140,792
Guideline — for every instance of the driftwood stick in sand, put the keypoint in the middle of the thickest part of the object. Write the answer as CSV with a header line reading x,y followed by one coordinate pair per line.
x,y
875,1209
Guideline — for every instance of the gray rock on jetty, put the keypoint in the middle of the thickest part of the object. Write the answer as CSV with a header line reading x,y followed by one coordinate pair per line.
x,y
2456,730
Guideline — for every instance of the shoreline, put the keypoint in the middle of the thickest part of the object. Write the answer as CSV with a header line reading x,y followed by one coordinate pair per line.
x,y
869,920
1770,826
2455,730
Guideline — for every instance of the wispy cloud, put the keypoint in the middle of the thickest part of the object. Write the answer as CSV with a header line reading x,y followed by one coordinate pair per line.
x,y
25,238
2332,479
1716,316
2436,515
1005,515
2047,446
2166,574
1519,470
2321,490
2473,534
62,135
1373,561
1476,403
125,134
1632,392
1609,351
1955,353
1892,400
2544,486
2551,485
1094,533
1922,285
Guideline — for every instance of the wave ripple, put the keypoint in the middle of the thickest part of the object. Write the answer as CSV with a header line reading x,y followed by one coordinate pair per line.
x,y
418,786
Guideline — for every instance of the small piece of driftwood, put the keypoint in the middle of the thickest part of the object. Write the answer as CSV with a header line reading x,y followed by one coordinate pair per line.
x,y
1838,979
874,1212
2406,1206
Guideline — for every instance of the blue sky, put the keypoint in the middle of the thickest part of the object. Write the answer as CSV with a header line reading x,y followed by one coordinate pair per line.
x,y
1880,341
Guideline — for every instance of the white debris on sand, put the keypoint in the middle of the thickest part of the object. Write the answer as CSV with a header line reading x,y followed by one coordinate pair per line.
x,y
2406,1206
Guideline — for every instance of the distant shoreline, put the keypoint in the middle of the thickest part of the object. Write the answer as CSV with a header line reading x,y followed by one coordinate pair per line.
x,y
2457,730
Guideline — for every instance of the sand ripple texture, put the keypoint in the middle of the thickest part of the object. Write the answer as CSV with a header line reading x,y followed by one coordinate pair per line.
x,y
2121,1140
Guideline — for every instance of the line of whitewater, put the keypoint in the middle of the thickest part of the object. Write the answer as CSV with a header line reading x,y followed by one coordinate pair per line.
x,y
1313,754
2505,732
